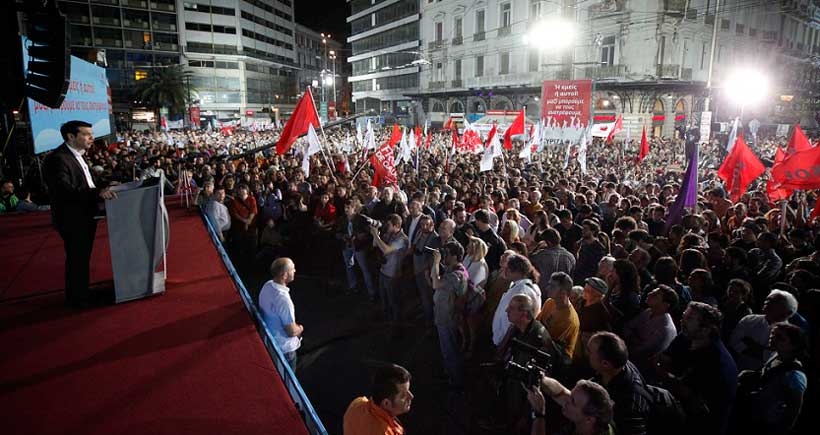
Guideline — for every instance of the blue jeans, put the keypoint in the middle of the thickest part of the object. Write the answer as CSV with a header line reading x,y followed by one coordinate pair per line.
x,y
391,298
348,256
360,258
451,352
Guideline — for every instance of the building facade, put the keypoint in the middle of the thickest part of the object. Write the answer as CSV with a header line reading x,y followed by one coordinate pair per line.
x,y
320,60
241,53
127,36
385,54
650,60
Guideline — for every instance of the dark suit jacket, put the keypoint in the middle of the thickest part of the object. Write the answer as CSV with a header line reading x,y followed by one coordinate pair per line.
x,y
73,203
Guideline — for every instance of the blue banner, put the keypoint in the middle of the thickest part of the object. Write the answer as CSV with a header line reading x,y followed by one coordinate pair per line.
x,y
87,100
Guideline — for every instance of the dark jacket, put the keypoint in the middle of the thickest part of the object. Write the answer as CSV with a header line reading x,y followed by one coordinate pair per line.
x,y
73,202
631,410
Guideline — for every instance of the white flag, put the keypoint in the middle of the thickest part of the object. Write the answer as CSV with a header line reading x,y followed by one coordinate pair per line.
x,y
313,141
306,162
582,153
732,136
487,159
359,135
369,137
566,155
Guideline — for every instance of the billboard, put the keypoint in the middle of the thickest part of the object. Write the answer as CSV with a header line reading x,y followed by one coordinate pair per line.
x,y
87,100
566,102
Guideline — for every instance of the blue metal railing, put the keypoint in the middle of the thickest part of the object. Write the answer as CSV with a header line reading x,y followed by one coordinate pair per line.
x,y
297,394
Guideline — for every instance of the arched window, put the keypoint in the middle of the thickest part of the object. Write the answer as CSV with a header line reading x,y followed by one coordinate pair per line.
x,y
438,107
456,107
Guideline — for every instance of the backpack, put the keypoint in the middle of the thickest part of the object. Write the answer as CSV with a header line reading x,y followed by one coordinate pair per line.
x,y
666,414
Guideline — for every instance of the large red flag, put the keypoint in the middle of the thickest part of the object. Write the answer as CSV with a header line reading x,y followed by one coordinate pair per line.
x,y
798,141
644,146
517,127
617,128
303,116
417,131
801,170
384,166
456,142
739,169
395,136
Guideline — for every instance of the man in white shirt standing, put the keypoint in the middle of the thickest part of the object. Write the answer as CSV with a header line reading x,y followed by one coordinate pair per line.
x,y
278,310
517,268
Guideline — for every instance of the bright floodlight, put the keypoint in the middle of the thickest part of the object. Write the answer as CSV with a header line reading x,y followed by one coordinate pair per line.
x,y
747,86
328,80
551,34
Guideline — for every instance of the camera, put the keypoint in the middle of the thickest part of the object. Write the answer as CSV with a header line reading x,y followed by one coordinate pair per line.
x,y
538,363
529,374
371,222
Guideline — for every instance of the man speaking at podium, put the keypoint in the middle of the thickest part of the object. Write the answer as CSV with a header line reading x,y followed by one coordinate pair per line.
x,y
75,202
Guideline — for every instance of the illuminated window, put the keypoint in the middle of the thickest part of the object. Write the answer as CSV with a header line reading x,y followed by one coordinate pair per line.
x,y
140,75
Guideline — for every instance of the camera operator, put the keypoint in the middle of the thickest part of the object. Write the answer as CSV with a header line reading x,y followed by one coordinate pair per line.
x,y
529,331
588,407
393,246
449,285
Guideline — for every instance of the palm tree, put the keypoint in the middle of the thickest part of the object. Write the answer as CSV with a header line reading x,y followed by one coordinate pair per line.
x,y
166,87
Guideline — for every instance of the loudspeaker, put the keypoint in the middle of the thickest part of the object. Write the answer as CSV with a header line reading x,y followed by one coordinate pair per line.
x,y
49,63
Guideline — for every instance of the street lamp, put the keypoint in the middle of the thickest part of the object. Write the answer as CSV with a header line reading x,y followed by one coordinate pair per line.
x,y
553,33
746,86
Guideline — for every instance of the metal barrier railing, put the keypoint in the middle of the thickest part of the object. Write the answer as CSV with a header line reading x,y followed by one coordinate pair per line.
x,y
297,394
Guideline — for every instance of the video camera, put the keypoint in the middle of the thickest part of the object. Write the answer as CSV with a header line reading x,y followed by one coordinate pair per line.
x,y
539,363
371,222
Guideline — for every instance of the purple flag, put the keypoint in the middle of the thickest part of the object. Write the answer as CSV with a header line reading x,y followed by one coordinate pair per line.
x,y
688,195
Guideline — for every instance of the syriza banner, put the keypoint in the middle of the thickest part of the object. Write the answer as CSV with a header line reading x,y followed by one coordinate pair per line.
x,y
565,108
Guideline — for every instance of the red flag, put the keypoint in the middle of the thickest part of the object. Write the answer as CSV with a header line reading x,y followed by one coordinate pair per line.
x,y
773,189
739,169
471,139
801,170
798,141
456,141
417,131
448,124
303,116
428,141
644,146
384,166
395,136
491,135
617,128
517,127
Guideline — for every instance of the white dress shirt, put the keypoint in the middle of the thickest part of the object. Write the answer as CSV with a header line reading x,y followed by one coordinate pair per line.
x,y
79,156
278,312
500,321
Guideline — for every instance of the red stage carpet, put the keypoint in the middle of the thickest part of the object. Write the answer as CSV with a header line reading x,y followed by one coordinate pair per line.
x,y
186,362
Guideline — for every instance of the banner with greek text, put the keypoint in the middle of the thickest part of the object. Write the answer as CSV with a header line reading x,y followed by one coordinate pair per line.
x,y
565,108
88,99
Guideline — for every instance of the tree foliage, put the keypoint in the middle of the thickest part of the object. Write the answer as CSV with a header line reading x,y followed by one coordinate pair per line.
x,y
166,87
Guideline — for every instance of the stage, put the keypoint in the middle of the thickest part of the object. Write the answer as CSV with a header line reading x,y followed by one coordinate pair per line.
x,y
187,361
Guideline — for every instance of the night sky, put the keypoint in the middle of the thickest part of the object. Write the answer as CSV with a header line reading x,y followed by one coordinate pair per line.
x,y
324,16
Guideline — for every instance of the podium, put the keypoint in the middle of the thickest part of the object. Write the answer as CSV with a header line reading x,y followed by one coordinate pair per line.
x,y
138,234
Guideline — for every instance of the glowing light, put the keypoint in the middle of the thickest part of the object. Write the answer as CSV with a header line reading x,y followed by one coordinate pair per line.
x,y
747,86
552,33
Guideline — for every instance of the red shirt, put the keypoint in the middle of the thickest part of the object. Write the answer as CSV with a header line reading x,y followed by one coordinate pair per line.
x,y
243,209
327,213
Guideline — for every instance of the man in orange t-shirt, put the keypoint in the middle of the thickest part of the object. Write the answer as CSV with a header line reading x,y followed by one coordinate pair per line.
x,y
558,315
376,415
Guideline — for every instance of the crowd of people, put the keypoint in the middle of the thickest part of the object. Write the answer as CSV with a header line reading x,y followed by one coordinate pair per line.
x,y
598,313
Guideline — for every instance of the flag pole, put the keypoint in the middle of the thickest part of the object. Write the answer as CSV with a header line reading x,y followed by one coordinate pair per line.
x,y
322,127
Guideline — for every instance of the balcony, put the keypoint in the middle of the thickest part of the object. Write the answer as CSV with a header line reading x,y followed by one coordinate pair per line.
x,y
166,7
435,45
456,83
168,27
674,7
674,72
478,36
108,21
504,31
437,85
605,71
458,40
135,24
104,42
